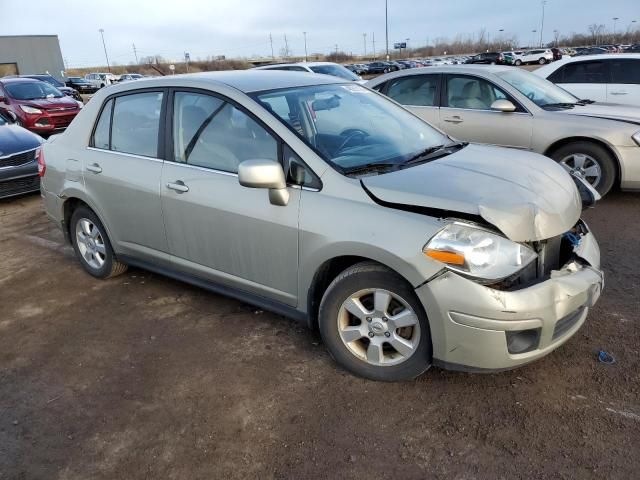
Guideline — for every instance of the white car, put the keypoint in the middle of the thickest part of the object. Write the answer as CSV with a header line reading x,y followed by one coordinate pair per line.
x,y
540,56
326,68
603,78
100,80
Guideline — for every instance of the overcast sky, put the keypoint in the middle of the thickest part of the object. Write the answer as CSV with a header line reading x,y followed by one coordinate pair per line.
x,y
241,28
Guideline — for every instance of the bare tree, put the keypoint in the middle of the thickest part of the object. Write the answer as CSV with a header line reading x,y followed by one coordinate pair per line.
x,y
596,30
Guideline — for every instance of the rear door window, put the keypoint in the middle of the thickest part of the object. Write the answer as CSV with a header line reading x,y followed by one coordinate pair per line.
x,y
417,90
585,72
136,122
102,131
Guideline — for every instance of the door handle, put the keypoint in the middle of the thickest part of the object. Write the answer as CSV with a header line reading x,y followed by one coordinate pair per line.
x,y
95,168
619,93
178,186
454,119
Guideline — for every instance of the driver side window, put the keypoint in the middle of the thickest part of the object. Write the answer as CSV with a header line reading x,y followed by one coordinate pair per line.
x,y
211,133
472,93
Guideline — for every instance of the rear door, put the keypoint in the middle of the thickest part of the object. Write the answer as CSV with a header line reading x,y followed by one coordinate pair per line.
x,y
625,81
586,80
466,114
122,168
419,93
216,228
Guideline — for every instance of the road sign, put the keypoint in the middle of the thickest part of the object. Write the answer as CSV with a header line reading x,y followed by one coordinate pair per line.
x,y
400,45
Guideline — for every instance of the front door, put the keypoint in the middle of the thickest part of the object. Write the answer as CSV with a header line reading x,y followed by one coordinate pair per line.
x,y
121,170
216,228
625,81
466,113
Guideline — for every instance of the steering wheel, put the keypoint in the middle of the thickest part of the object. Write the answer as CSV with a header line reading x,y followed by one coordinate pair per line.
x,y
350,134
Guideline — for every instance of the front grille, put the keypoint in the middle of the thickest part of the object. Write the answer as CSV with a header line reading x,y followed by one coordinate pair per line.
x,y
19,185
565,323
18,159
62,120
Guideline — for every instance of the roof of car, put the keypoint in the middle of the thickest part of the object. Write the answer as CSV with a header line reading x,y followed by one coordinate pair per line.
x,y
552,67
467,68
18,80
249,80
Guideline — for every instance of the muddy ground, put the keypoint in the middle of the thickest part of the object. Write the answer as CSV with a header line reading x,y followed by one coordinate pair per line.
x,y
145,377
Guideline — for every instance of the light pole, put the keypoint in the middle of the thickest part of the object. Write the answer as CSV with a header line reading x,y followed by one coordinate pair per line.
x,y
364,36
500,38
306,56
105,49
615,20
386,26
406,46
544,2
534,37
556,35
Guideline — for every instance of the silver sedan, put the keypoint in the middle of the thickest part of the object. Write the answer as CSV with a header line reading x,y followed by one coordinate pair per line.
x,y
513,108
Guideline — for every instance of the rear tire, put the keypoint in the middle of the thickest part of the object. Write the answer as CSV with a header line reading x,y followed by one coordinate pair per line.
x,y
542,61
92,246
592,161
388,336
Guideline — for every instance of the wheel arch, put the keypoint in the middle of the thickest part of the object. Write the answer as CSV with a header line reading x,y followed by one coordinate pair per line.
x,y
565,141
326,273
71,204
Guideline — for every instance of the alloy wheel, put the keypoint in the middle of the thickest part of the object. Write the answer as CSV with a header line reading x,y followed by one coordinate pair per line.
x,y
379,327
584,166
90,243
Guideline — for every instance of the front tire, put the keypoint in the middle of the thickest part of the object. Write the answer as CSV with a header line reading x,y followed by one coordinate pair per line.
x,y
92,246
542,61
591,161
518,63
373,324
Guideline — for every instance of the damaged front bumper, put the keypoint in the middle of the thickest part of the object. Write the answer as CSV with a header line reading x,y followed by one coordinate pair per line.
x,y
476,327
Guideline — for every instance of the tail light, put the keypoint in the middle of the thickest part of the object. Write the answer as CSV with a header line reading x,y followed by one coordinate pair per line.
x,y
42,167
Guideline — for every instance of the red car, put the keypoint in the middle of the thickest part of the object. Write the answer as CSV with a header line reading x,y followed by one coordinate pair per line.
x,y
38,106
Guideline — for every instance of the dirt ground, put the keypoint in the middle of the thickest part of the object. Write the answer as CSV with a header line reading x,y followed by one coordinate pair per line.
x,y
144,377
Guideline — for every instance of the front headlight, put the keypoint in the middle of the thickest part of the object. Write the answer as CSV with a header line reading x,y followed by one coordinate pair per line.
x,y
636,137
28,109
478,253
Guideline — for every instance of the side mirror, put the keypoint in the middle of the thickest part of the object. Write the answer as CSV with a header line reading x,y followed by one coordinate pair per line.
x,y
265,174
2,99
503,105
12,117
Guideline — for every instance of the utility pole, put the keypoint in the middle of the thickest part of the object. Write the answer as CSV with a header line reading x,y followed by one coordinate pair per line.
x,y
105,49
615,20
306,56
135,53
544,2
271,41
286,46
364,55
386,26
336,49
373,41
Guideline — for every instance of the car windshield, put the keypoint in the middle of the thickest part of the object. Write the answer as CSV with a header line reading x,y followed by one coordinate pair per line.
x,y
335,70
350,126
542,92
50,80
32,90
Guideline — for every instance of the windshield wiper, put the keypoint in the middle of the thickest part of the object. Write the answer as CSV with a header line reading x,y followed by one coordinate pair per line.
x,y
560,105
370,167
585,101
435,152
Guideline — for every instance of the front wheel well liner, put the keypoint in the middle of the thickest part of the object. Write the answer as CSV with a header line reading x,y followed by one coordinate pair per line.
x,y
565,141
325,274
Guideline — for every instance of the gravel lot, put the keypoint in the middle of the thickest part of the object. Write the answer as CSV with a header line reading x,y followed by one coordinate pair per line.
x,y
144,377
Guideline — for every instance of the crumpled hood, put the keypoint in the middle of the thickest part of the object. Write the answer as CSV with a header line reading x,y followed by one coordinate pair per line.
x,y
526,196
612,111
